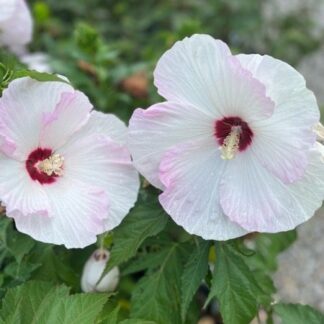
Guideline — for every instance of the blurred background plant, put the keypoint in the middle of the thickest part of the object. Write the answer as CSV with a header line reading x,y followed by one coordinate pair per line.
x,y
108,49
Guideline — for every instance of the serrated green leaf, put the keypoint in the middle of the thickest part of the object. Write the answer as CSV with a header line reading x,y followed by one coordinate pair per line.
x,y
39,76
145,220
148,261
194,272
42,303
234,286
156,297
76,309
110,317
298,314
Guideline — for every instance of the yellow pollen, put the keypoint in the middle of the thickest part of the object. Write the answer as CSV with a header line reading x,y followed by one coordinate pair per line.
x,y
231,144
52,165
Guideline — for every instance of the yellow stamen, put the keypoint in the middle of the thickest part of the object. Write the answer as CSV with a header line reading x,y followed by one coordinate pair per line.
x,y
231,144
52,165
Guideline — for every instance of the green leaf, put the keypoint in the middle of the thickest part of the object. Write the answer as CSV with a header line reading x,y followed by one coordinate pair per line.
x,y
298,314
136,321
16,244
111,317
268,246
41,302
39,76
145,220
234,286
194,272
156,297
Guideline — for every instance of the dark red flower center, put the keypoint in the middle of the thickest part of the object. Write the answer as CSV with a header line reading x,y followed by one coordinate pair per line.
x,y
34,158
226,126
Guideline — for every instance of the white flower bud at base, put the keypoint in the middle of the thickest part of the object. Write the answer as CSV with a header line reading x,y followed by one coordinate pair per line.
x,y
93,270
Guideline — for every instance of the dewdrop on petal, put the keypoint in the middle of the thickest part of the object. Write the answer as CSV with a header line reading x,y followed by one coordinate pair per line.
x,y
93,270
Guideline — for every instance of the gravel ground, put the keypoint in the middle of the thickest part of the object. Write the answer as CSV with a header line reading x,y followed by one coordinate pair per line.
x,y
300,277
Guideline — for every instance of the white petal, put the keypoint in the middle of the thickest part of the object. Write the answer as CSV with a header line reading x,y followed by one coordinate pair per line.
x,y
19,192
281,143
201,71
97,160
7,9
105,124
257,200
155,130
191,175
78,211
22,108
70,114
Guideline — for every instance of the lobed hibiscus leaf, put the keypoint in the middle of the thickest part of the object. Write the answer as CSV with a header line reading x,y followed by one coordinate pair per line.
x,y
298,314
194,272
41,302
159,291
146,219
234,285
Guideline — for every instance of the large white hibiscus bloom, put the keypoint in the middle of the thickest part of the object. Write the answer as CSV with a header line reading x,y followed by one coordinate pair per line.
x,y
233,147
66,174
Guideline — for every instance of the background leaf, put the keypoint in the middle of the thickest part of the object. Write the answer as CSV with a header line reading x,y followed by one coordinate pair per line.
x,y
298,314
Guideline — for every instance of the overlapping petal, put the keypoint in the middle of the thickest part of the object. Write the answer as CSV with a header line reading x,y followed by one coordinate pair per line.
x,y
96,160
69,115
282,142
258,201
191,174
201,71
78,215
19,192
155,130
23,106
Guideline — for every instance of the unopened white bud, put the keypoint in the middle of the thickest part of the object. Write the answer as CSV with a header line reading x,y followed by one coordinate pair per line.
x,y
93,270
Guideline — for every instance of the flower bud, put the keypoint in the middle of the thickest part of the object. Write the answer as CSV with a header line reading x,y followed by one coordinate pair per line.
x,y
93,270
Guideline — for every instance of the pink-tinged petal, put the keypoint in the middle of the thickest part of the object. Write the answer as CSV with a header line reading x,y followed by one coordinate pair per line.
x,y
79,212
153,131
191,174
70,114
107,125
19,192
281,143
98,161
29,100
16,24
202,71
258,201
7,146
